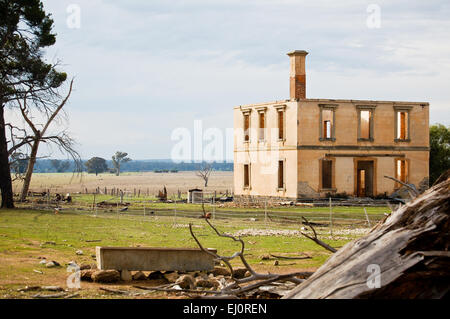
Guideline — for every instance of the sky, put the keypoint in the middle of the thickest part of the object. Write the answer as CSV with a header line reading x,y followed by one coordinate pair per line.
x,y
143,69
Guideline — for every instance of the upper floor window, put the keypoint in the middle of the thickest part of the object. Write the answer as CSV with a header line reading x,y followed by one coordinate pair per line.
x,y
262,124
365,122
402,124
327,122
246,127
402,128
281,120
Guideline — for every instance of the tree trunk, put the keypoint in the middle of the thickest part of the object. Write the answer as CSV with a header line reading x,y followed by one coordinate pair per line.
x,y
30,168
405,256
5,172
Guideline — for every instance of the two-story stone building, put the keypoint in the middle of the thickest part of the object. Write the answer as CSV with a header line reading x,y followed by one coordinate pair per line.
x,y
311,147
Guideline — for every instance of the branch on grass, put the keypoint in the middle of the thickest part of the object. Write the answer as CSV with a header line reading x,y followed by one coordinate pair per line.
x,y
291,257
258,279
120,292
178,290
314,238
40,296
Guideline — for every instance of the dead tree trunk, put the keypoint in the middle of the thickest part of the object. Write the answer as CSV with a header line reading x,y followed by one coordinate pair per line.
x,y
405,256
30,168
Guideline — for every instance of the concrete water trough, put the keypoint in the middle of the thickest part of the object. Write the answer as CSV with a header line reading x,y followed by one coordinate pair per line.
x,y
151,258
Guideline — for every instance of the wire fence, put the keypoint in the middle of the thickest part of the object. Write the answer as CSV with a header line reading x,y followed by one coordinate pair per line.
x,y
178,212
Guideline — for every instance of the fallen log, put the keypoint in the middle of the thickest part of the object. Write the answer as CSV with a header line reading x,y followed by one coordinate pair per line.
x,y
406,256
290,257
51,296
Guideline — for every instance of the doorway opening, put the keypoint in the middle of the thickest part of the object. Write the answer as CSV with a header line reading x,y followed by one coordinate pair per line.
x,y
364,179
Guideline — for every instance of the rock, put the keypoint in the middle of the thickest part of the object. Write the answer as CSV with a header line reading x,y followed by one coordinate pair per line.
x,y
201,274
192,273
240,273
186,282
171,276
207,283
289,203
154,275
79,252
105,276
86,274
52,288
221,271
52,264
29,288
139,276
125,275
88,266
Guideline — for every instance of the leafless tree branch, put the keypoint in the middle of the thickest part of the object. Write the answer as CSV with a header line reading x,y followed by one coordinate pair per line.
x,y
411,190
314,238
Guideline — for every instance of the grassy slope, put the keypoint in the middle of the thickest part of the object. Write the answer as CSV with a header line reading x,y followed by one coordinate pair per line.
x,y
23,234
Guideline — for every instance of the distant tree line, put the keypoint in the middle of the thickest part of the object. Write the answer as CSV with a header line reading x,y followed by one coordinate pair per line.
x,y
46,166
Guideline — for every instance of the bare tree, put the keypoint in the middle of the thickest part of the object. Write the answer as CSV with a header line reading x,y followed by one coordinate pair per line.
x,y
118,159
50,104
204,172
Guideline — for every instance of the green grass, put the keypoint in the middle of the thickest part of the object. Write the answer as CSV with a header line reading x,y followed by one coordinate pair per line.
x,y
24,236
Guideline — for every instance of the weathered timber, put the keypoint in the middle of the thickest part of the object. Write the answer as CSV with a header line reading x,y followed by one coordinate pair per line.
x,y
410,247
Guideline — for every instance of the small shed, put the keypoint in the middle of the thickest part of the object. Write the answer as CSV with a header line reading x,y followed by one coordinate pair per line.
x,y
195,195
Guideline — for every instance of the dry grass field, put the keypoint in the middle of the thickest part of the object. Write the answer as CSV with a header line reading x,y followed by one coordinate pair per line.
x,y
145,181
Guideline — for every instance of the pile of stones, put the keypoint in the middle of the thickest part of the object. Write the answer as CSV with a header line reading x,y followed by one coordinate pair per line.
x,y
214,279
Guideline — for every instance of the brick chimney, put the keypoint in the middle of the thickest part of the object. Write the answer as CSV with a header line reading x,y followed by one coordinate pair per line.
x,y
297,74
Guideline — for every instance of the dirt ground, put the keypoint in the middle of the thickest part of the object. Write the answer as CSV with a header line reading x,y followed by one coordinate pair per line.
x,y
145,181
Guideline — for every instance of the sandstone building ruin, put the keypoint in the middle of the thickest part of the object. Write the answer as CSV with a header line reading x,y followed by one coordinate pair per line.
x,y
307,148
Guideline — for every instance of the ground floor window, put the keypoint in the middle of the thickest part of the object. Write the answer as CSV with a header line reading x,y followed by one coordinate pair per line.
x,y
401,170
327,173
280,174
246,175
